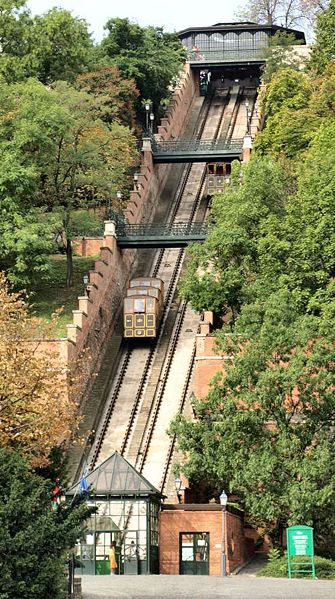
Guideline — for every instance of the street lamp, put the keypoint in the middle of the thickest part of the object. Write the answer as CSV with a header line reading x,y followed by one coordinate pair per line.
x,y
223,502
119,195
147,109
177,484
85,281
136,176
248,116
152,118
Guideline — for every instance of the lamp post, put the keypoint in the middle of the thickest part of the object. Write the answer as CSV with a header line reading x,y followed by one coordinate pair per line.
x,y
85,281
136,176
152,118
147,110
223,502
248,116
177,484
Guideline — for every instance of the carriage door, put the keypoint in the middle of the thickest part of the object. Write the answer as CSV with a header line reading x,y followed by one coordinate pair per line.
x,y
194,553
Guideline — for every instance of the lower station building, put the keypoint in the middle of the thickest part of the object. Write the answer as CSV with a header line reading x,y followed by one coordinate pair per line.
x,y
152,537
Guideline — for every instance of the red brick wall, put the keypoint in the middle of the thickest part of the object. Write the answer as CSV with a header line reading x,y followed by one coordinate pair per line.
x,y
207,364
176,521
236,548
87,246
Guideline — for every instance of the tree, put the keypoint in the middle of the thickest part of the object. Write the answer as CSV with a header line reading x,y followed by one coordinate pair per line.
x,y
323,51
65,157
286,13
38,410
63,46
149,56
221,270
266,430
16,35
115,95
289,123
34,537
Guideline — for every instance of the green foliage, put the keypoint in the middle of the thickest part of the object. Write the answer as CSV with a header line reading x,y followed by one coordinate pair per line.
x,y
63,157
323,51
53,46
286,95
48,295
115,96
148,55
221,269
324,568
280,55
62,46
266,429
34,538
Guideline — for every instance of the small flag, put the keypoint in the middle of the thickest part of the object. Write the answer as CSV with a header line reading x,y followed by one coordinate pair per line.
x,y
56,495
83,485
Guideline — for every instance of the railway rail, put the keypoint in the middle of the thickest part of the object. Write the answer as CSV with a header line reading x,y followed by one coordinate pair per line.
x,y
140,402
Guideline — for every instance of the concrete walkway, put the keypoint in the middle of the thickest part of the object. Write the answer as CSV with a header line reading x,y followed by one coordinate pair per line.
x,y
204,587
257,563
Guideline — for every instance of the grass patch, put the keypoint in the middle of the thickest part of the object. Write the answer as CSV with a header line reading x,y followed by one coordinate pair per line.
x,y
277,568
53,294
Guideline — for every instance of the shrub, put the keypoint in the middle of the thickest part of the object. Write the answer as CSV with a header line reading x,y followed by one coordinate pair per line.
x,y
277,568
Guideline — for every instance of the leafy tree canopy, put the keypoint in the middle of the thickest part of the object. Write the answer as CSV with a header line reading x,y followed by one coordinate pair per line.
x,y
34,538
323,51
53,46
148,55
59,156
115,95
266,429
63,46
29,398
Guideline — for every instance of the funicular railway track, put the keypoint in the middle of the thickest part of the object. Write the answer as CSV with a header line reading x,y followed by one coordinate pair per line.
x,y
138,410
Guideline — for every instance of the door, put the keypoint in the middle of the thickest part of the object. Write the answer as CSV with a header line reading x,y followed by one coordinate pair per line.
x,y
194,553
131,552
103,542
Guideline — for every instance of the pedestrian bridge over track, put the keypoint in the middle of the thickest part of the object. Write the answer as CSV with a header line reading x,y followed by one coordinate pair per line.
x,y
196,150
159,236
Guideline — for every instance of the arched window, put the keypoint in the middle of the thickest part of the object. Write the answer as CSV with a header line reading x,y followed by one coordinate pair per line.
x,y
246,41
261,39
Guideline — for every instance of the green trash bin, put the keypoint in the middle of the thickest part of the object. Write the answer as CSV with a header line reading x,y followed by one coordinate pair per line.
x,y
102,567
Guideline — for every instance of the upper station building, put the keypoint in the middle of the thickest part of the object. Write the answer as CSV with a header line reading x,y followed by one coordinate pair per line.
x,y
232,44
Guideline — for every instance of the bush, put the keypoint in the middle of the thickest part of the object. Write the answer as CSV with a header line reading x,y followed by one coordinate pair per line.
x,y
277,568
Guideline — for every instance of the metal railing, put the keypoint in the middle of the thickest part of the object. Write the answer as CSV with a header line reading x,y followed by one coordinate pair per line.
x,y
196,145
227,55
178,230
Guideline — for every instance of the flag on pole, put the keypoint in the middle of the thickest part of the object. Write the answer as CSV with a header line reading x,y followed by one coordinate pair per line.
x,y
83,485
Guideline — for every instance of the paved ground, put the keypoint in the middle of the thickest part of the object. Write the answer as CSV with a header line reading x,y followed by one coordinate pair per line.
x,y
204,587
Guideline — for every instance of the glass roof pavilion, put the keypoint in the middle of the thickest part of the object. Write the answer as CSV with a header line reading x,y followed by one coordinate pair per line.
x,y
232,43
127,514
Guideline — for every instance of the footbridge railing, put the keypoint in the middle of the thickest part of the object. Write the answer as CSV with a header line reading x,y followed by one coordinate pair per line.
x,y
184,150
160,236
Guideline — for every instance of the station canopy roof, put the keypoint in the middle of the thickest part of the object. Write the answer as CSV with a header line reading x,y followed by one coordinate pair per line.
x,y
115,476
243,26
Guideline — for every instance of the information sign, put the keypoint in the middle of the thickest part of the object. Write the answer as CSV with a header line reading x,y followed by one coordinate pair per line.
x,y
300,544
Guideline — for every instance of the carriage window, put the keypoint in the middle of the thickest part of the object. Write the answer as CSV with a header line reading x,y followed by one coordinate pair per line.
x,y
220,169
211,169
228,168
128,305
139,305
150,304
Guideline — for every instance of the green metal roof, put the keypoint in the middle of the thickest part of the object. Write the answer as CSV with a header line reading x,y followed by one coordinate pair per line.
x,y
115,476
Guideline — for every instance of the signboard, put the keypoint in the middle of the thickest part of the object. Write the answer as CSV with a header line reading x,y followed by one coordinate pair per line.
x,y
300,544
